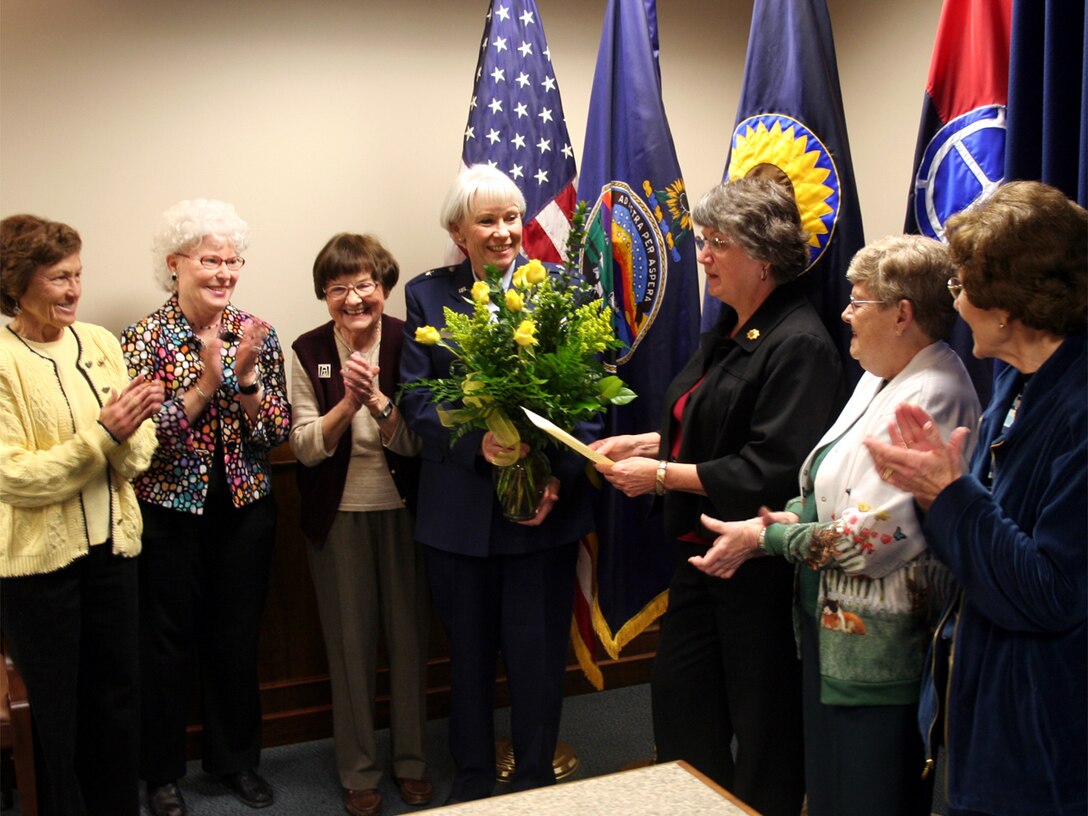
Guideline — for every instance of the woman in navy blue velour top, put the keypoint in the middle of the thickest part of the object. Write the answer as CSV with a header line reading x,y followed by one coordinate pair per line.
x,y
1013,530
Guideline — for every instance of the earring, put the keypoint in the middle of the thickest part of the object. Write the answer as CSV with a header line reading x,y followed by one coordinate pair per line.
x,y
1001,325
763,274
174,276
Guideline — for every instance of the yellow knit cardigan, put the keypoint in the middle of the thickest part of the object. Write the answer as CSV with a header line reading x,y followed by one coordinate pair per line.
x,y
44,463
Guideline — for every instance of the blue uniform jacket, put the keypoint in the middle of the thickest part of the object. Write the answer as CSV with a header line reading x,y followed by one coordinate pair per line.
x,y
1017,713
457,509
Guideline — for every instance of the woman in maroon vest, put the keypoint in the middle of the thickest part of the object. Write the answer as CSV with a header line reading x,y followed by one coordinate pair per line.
x,y
357,477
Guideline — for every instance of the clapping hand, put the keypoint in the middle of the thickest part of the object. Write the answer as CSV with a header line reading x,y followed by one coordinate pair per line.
x,y
918,460
254,333
123,413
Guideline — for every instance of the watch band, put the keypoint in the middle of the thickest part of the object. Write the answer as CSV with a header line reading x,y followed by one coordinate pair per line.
x,y
251,389
385,412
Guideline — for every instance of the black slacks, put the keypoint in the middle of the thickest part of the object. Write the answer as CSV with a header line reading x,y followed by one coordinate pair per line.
x,y
72,635
727,668
860,760
519,605
203,584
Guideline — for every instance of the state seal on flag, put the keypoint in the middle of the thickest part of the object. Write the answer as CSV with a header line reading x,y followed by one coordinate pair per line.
x,y
625,257
779,146
964,163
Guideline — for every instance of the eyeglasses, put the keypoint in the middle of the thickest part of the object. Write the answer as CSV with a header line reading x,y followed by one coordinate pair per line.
x,y
339,291
955,288
719,244
854,302
214,261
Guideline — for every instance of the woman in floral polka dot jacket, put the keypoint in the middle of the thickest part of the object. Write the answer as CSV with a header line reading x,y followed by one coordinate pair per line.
x,y
209,514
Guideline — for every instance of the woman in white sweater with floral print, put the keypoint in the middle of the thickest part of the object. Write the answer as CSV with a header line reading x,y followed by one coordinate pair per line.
x,y
868,590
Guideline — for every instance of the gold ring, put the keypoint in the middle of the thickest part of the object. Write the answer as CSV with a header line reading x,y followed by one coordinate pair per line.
x,y
887,474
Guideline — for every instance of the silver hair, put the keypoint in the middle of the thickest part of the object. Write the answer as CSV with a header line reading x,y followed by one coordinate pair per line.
x,y
909,267
478,181
189,222
761,216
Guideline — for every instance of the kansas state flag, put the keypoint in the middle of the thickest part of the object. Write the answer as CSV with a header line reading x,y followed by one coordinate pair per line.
x,y
790,125
641,251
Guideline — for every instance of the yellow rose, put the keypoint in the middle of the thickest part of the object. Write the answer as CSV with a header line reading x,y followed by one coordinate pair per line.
x,y
480,292
519,278
524,336
427,335
535,271
514,300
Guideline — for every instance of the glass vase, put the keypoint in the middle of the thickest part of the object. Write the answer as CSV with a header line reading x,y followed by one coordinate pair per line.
x,y
520,486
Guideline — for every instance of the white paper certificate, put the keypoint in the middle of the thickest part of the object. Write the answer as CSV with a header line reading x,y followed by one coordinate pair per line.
x,y
556,432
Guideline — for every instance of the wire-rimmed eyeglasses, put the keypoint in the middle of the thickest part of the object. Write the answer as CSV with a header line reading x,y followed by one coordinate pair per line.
x,y
854,303
715,243
214,261
340,291
955,287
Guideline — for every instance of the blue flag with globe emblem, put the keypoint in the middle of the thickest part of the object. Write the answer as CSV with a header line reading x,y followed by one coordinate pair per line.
x,y
640,250
960,156
791,126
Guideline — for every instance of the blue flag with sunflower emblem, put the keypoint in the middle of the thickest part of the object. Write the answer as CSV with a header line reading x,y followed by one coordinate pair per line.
x,y
790,124
640,249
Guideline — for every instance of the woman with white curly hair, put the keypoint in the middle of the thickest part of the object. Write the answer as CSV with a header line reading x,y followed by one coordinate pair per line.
x,y
209,514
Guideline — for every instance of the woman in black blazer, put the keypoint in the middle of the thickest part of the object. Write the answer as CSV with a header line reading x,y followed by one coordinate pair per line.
x,y
739,420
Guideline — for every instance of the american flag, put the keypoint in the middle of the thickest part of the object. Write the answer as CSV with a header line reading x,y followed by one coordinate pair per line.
x,y
515,123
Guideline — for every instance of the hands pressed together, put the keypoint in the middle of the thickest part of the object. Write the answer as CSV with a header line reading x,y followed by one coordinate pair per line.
x,y
361,384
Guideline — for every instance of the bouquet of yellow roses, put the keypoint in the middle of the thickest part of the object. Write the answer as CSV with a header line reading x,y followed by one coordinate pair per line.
x,y
540,344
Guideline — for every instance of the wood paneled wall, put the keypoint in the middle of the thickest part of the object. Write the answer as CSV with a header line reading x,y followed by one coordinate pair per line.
x,y
295,695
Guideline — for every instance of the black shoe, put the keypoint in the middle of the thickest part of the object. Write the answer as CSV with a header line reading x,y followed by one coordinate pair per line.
x,y
250,788
165,800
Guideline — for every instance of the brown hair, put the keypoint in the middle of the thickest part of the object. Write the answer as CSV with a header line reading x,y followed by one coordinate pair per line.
x,y
1025,251
28,243
348,254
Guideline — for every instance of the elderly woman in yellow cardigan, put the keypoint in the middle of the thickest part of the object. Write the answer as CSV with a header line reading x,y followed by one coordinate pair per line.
x,y
73,432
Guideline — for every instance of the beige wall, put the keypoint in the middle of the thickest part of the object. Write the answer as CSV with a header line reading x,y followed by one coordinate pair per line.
x,y
330,115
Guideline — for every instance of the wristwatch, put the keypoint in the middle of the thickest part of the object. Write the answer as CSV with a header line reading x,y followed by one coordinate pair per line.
x,y
659,477
385,412
251,389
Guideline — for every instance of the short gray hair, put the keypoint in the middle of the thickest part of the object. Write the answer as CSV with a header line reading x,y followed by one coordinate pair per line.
x,y
186,224
761,216
909,267
479,180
